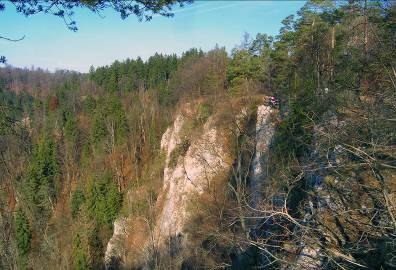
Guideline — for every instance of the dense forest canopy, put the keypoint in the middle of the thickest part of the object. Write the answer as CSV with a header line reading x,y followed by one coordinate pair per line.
x,y
74,147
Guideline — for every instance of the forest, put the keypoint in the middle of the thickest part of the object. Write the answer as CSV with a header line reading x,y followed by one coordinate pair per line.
x,y
80,150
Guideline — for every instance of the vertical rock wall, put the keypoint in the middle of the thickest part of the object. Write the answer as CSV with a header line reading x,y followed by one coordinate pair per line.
x,y
265,129
191,172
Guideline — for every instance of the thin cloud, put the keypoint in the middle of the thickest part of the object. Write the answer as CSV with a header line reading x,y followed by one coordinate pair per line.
x,y
183,10
201,9
220,7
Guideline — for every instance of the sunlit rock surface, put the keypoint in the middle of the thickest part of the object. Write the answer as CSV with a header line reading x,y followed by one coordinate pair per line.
x,y
190,172
204,159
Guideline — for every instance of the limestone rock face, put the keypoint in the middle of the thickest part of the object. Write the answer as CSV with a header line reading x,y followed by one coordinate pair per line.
x,y
193,161
265,129
204,159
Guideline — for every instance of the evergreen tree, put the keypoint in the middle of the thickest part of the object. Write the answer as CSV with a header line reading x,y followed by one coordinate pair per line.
x,y
80,259
41,175
109,121
23,237
71,130
103,200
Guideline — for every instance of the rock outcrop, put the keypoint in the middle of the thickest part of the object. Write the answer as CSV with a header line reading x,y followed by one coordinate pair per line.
x,y
192,172
114,250
192,163
265,129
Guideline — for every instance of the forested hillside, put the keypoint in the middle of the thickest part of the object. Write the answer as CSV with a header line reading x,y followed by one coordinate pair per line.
x,y
80,151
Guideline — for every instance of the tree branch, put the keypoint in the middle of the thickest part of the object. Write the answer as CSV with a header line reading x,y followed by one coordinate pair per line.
x,y
13,40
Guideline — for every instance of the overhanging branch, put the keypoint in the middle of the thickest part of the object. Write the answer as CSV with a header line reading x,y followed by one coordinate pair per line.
x,y
13,40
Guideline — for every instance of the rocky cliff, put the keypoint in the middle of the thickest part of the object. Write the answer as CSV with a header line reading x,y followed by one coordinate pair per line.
x,y
192,171
194,158
316,211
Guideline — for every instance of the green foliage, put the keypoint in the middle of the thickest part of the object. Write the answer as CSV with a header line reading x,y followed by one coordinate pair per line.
x,y
12,109
71,130
86,153
293,134
109,120
89,105
23,233
165,96
16,104
98,131
80,259
6,122
243,66
132,75
192,53
77,199
112,83
41,174
103,200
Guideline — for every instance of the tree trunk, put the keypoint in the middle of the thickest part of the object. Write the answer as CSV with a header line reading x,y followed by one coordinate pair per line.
x,y
365,28
331,56
317,70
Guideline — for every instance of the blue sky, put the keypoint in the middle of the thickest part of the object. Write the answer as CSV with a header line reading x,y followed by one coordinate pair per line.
x,y
99,41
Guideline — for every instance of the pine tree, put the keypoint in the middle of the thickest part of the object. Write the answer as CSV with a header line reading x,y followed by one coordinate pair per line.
x,y
23,236
41,175
103,200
